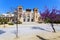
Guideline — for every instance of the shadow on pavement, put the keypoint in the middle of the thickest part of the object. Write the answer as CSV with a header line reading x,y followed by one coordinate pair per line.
x,y
1,31
41,37
14,32
40,29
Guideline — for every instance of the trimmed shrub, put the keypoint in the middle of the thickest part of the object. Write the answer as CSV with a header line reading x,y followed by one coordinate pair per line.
x,y
57,22
18,22
3,21
11,23
0,23
39,22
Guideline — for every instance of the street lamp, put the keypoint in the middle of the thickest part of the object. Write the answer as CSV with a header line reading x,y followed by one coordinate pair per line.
x,y
16,20
17,29
3,21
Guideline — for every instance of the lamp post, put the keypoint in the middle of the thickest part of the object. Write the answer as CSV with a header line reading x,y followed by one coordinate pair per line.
x,y
16,19
3,21
4,24
17,28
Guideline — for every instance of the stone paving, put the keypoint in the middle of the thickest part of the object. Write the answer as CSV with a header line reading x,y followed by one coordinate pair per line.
x,y
30,31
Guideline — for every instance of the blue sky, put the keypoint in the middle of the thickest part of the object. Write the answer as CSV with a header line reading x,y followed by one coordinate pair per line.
x,y
8,5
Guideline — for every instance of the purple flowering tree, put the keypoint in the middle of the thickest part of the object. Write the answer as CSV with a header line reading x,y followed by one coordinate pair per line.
x,y
45,15
49,17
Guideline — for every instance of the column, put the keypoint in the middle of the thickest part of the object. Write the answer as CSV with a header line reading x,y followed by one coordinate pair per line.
x,y
26,18
30,17
22,17
35,17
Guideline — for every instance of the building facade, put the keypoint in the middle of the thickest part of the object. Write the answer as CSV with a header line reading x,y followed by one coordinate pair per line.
x,y
28,15
9,17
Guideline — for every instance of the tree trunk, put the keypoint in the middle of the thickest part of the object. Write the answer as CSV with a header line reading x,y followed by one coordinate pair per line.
x,y
53,27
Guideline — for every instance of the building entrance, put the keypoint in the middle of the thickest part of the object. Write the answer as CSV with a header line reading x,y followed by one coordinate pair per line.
x,y
28,20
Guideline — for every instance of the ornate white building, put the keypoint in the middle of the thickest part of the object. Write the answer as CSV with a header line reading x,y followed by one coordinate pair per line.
x,y
28,15
24,16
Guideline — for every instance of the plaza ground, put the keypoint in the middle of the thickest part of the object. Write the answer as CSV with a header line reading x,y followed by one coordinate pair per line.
x,y
30,31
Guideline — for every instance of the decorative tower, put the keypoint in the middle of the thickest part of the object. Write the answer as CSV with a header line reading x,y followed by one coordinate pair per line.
x,y
20,11
35,11
28,15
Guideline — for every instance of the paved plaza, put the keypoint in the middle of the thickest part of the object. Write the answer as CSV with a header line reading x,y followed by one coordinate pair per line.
x,y
30,31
